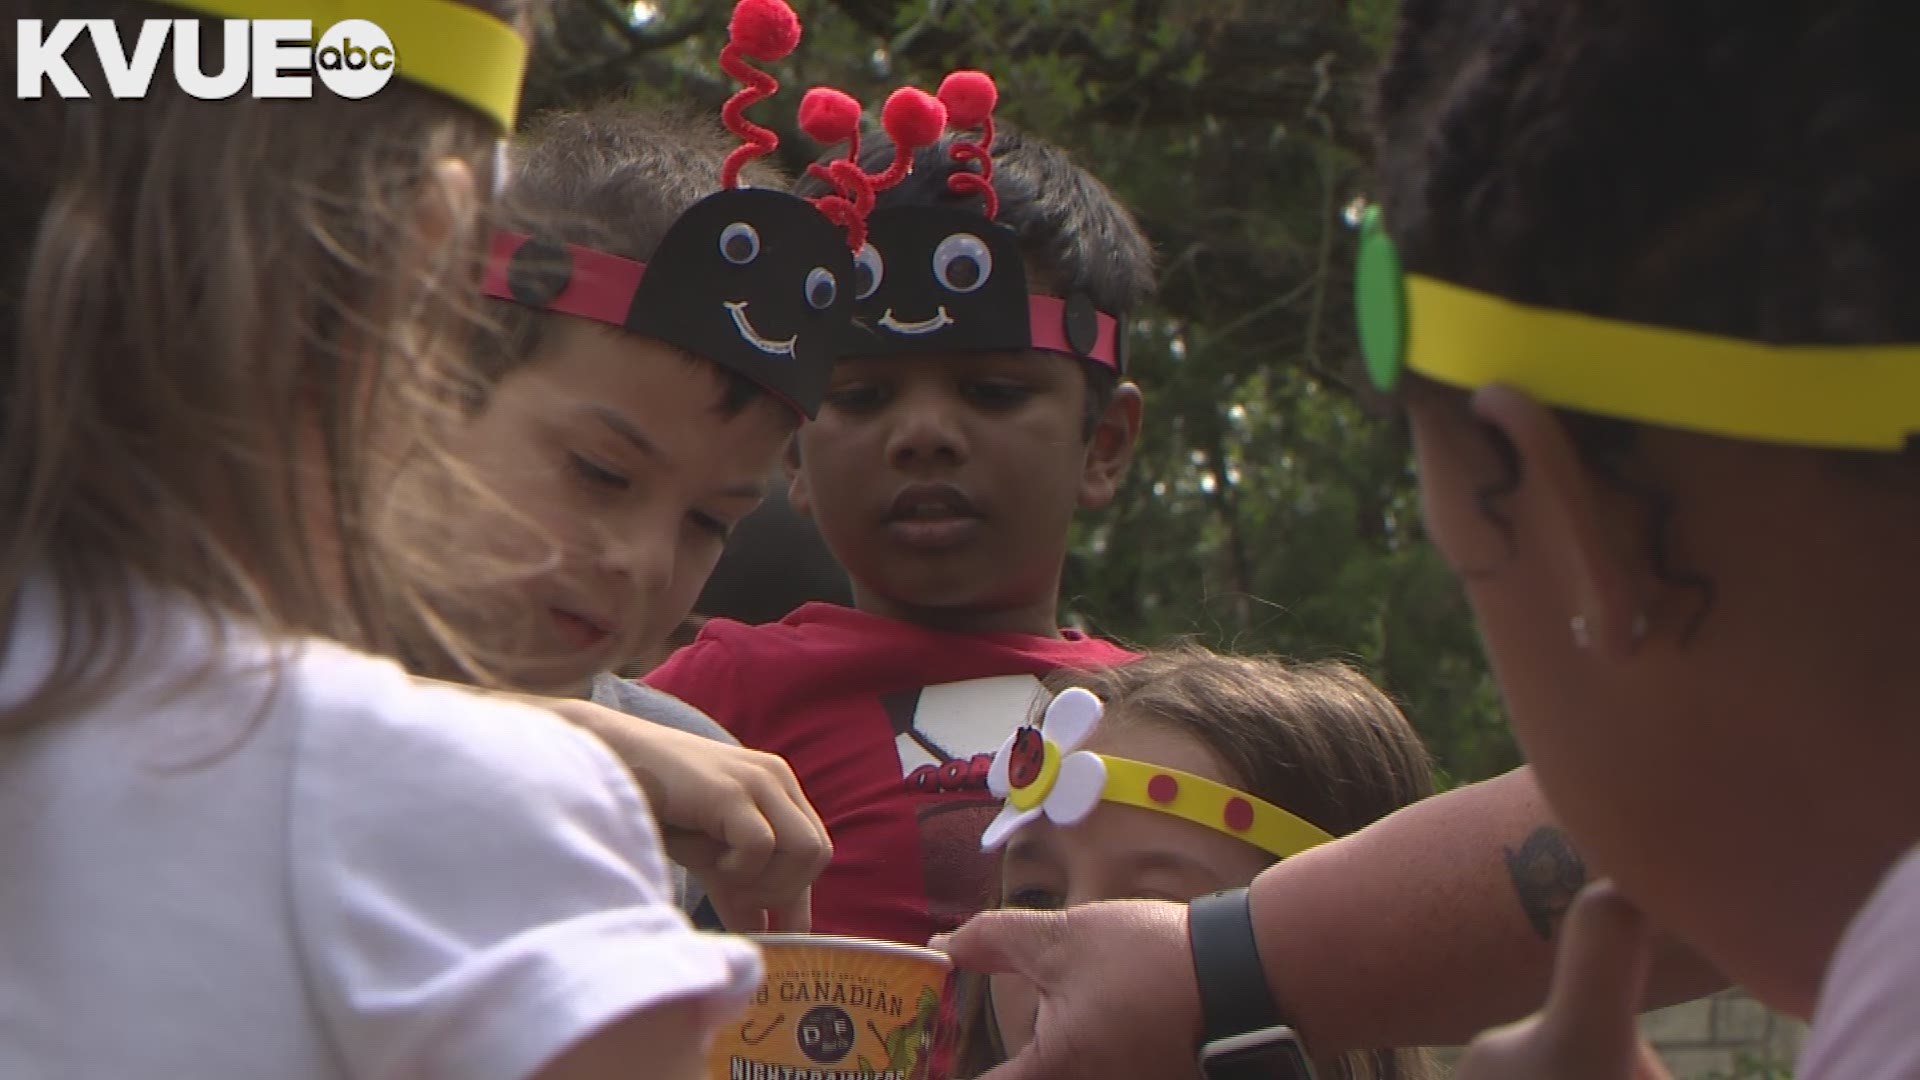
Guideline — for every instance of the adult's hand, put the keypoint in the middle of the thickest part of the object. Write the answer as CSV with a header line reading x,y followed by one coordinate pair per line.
x,y
1115,982
1588,1030
735,818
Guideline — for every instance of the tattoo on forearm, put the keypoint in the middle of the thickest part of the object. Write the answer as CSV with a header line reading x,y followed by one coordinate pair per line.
x,y
1547,874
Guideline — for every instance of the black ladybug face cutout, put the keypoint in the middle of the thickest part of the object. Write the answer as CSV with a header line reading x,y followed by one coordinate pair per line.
x,y
941,279
757,281
945,279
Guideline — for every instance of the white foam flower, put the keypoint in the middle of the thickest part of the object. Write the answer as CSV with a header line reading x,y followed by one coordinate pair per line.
x,y
1043,770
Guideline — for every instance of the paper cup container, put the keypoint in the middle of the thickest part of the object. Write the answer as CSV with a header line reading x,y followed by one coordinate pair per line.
x,y
840,1008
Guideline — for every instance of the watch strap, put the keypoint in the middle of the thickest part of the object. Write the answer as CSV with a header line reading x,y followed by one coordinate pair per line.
x,y
1234,995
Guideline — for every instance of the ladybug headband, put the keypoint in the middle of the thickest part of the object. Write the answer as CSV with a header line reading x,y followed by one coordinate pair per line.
x,y
1848,397
1043,771
939,278
756,280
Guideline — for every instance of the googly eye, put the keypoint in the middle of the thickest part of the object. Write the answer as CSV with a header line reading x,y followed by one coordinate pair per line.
x,y
962,263
869,270
740,243
822,289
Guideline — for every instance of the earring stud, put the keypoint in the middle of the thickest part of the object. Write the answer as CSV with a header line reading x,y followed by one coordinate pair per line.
x,y
1583,635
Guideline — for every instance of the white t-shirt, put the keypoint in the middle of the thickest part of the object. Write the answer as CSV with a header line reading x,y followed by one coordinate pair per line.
x,y
341,874
1867,1023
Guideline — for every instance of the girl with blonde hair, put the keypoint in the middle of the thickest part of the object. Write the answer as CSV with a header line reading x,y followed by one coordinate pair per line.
x,y
233,843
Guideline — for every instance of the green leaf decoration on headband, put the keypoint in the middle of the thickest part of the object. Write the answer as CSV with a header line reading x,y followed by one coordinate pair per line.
x,y
1380,301
1827,395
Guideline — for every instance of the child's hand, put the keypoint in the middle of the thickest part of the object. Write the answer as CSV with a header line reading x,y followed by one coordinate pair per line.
x,y
735,818
1587,1030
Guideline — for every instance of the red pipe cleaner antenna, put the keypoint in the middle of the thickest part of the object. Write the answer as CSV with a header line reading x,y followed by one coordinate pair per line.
x,y
970,98
913,119
763,30
829,116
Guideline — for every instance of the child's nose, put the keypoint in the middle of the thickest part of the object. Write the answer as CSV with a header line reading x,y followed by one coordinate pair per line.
x,y
926,430
642,559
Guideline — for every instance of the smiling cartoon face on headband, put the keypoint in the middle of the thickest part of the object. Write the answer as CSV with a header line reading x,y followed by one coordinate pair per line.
x,y
936,279
757,281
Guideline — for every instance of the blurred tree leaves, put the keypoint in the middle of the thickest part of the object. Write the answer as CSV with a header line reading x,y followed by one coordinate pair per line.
x,y
1265,511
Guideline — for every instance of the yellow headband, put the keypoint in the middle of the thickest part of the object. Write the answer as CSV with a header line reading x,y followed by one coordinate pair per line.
x,y
1855,397
1045,773
1844,396
460,51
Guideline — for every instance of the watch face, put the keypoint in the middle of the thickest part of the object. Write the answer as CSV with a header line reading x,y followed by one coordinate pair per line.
x,y
1270,1054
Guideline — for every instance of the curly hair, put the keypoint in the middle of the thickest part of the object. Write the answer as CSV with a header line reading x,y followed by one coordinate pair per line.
x,y
1731,168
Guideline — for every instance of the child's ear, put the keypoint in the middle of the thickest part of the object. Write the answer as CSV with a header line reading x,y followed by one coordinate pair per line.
x,y
449,205
1110,450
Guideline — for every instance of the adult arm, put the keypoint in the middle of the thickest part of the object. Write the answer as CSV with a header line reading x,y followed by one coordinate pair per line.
x,y
1422,929
1434,923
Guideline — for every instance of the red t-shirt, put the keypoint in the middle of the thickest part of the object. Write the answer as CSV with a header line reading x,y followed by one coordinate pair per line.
x,y
890,728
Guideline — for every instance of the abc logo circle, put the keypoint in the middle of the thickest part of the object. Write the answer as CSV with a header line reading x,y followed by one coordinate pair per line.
x,y
354,58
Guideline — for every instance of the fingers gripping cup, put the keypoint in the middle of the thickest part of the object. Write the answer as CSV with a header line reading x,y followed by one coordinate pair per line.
x,y
836,1008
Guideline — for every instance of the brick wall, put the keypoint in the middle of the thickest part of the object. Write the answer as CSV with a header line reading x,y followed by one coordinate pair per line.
x,y
1728,1035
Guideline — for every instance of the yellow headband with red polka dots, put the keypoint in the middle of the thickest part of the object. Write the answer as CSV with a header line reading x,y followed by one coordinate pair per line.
x,y
1041,770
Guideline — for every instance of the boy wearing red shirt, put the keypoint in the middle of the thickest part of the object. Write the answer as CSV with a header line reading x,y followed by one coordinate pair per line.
x,y
982,408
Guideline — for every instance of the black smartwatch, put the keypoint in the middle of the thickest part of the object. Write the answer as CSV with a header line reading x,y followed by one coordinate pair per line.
x,y
1244,1037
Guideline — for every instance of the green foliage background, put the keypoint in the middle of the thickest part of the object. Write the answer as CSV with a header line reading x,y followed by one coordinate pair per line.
x,y
1266,512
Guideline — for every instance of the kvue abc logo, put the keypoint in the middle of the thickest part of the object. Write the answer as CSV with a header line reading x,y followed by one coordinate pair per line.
x,y
275,57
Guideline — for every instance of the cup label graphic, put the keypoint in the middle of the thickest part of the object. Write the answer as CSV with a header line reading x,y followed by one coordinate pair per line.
x,y
839,1009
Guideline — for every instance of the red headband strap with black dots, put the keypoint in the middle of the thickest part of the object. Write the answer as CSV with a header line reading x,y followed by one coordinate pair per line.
x,y
566,278
756,280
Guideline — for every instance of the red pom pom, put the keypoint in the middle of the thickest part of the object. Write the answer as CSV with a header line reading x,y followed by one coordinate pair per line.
x,y
766,30
829,116
970,97
913,117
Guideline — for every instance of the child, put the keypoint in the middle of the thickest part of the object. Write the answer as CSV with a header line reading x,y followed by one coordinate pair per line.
x,y
232,844
597,419
631,407
1317,748
943,474
641,457
1656,338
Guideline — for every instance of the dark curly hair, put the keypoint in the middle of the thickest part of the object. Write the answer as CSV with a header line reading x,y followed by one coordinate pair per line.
x,y
1714,165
